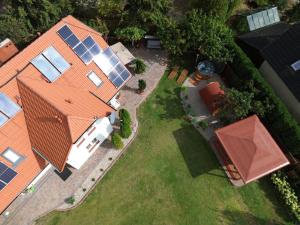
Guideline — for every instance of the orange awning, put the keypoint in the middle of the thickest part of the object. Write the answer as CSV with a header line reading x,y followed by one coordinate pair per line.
x,y
210,95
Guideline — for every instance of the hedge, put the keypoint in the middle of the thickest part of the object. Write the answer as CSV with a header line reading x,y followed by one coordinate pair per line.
x,y
278,120
124,116
117,141
125,130
287,193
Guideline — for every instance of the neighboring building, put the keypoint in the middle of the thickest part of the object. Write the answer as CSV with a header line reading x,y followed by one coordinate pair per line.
x,y
275,50
57,99
249,147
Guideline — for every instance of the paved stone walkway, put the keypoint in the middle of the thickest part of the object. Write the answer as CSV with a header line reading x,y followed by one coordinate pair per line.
x,y
51,190
197,111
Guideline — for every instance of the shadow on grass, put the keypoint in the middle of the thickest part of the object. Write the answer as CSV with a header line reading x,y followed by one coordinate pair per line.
x,y
196,152
171,103
237,217
271,193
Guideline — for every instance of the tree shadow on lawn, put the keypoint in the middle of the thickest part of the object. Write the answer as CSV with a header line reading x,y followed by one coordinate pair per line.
x,y
171,104
197,153
278,204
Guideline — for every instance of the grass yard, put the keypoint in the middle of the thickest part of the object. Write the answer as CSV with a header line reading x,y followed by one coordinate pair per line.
x,y
170,176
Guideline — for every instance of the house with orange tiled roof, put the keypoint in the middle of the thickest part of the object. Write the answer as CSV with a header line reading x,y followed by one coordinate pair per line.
x,y
57,103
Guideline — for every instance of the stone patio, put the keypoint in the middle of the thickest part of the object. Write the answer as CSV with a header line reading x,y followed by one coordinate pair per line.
x,y
51,190
197,111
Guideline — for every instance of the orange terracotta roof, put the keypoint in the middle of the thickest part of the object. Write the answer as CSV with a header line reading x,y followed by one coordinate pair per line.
x,y
210,95
57,115
251,148
7,50
49,122
14,134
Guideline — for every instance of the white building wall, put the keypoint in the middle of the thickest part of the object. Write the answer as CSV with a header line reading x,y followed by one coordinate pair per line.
x,y
89,142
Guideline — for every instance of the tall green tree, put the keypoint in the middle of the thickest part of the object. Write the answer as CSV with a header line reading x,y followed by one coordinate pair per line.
x,y
132,34
208,35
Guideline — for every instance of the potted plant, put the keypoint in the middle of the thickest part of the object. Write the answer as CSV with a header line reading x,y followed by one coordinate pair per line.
x,y
142,86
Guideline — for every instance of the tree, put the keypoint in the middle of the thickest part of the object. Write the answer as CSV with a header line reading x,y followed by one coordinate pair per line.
x,y
236,105
14,29
208,35
294,13
130,34
171,35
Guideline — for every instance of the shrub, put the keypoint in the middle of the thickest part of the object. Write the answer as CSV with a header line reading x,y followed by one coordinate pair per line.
x,y
139,66
70,200
142,85
125,130
287,193
203,124
277,118
117,141
125,116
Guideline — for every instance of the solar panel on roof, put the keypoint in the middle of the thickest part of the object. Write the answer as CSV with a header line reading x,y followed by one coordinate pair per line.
x,y
125,74
108,52
65,32
3,119
45,67
263,18
80,49
88,42
112,75
2,185
72,41
118,82
8,175
86,57
3,167
296,65
250,23
7,106
119,68
56,59
95,50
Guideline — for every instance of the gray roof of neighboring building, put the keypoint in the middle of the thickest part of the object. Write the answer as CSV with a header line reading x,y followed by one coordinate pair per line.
x,y
283,52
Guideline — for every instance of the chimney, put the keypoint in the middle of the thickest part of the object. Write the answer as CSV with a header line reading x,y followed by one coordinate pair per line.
x,y
7,50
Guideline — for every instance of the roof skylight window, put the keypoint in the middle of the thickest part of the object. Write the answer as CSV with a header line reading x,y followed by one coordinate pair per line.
x,y
94,78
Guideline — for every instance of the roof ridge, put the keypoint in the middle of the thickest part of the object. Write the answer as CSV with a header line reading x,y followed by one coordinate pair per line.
x,y
45,99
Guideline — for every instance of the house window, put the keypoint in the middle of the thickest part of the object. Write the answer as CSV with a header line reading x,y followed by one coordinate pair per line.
x,y
91,131
94,140
11,156
94,78
89,146
80,142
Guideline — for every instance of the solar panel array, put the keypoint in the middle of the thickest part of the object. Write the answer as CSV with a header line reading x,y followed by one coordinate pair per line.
x,y
6,175
51,64
89,50
296,65
263,18
85,49
8,108
110,64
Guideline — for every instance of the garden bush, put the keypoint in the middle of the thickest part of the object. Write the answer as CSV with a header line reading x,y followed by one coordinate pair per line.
x,y
117,141
70,200
139,66
142,85
287,193
125,130
125,116
277,118
203,124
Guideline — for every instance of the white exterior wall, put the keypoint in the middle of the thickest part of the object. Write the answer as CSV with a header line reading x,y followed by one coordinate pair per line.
x,y
281,90
85,147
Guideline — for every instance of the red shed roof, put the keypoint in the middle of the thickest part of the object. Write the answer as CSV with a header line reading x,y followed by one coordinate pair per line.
x,y
251,148
210,94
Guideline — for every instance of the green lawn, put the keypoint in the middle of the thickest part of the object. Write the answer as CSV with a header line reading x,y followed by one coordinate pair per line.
x,y
170,176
